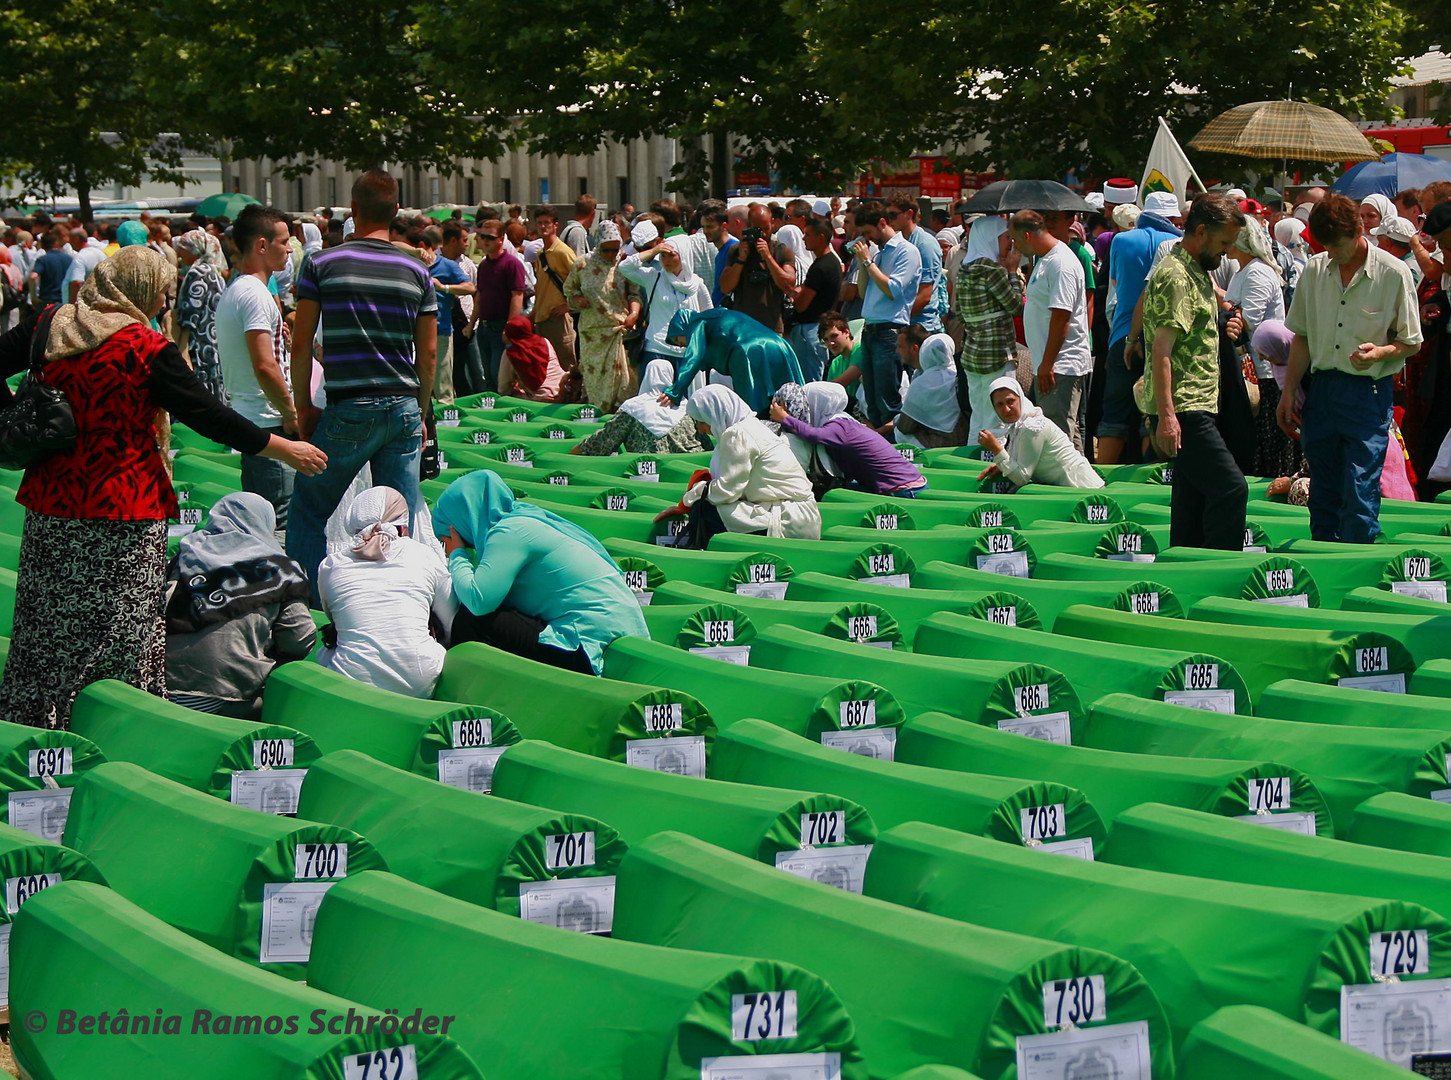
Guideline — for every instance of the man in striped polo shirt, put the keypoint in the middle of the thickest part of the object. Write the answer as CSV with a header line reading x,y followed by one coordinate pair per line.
x,y
379,351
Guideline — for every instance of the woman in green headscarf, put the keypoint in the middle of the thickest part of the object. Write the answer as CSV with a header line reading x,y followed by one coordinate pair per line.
x,y
538,585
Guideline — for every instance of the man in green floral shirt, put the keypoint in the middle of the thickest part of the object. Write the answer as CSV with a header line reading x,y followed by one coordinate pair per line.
x,y
1181,326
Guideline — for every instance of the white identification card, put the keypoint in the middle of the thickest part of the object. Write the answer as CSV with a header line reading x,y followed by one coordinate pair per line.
x,y
584,905
1268,793
289,912
394,1063
1095,513
1132,556
313,862
1011,564
569,851
1076,1001
765,590
644,598
1426,590
487,402
5,965
818,1066
471,769
272,753
174,532
22,888
769,1014
859,627
475,731
273,791
1003,616
1302,821
42,813
1031,698
1399,952
1255,549
1043,822
1050,727
1385,684
617,502
1120,1051
889,646
857,714
1082,848
842,867
1220,701
1297,600
989,519
820,827
50,761
731,654
662,717
1144,603
683,755
1395,1020
881,745
895,581
448,418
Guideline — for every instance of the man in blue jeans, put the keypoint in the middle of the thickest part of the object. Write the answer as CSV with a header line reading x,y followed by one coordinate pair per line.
x,y
889,285
378,361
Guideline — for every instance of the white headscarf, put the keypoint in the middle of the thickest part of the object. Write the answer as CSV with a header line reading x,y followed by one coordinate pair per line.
x,y
982,239
609,232
643,233
1383,206
311,238
790,237
374,518
722,409
932,397
659,420
1290,233
1254,241
1026,409
825,401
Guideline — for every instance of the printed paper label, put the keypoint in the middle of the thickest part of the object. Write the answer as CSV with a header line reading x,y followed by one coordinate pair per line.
x,y
770,1014
1297,600
881,745
1395,1020
1302,822
842,867
682,755
772,590
731,654
1384,684
1077,1001
1081,848
1119,1051
5,965
1011,564
272,791
50,761
289,912
818,1066
584,905
471,769
1220,701
395,1063
895,581
1132,556
42,813
1426,590
1050,727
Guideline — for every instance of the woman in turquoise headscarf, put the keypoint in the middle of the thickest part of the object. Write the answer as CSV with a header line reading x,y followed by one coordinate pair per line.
x,y
756,358
539,586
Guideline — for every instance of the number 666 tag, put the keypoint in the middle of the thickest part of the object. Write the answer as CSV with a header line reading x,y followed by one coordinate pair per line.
x,y
1081,1000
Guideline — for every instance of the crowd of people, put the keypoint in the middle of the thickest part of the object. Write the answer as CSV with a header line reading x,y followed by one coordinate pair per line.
x,y
807,345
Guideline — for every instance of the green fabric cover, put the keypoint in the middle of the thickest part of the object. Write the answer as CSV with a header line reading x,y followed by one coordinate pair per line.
x,y
1316,703
1191,582
1402,822
984,691
534,1002
1262,654
195,862
1178,841
1201,944
34,759
1000,601
759,822
809,705
1374,598
1348,764
1094,669
920,988
582,712
841,559
193,748
1425,636
1114,781
714,569
685,625
1245,1041
755,752
1336,573
1051,596
934,1072
480,850
833,618
1432,679
82,947
408,733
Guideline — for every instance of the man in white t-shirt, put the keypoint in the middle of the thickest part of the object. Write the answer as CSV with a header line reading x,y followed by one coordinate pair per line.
x,y
1055,323
86,256
252,352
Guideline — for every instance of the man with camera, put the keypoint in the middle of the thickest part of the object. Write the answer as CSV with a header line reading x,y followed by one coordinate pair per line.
x,y
759,272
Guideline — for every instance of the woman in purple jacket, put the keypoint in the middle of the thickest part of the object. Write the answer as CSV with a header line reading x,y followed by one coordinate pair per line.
x,y
862,456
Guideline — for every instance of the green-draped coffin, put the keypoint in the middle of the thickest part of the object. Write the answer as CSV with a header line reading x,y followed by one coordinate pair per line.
x,y
1258,577
1114,781
491,852
83,948
530,1001
1143,594
38,771
1201,944
1424,636
245,883
1245,1041
605,717
1001,602
1402,822
920,988
848,617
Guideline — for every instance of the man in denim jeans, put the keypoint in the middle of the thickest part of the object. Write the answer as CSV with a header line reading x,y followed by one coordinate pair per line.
x,y
378,358
889,285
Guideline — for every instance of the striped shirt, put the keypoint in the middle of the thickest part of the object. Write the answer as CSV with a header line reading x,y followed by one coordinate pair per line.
x,y
372,296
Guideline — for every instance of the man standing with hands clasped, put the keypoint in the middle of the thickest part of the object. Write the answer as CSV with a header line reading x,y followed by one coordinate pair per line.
x,y
1355,321
1182,379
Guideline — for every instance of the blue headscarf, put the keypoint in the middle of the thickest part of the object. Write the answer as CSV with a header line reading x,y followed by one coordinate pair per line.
x,y
473,504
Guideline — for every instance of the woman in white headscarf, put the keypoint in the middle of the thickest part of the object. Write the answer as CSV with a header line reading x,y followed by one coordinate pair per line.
x,y
988,295
794,241
609,306
380,591
1257,288
642,424
930,413
1375,209
1294,252
755,484
1034,450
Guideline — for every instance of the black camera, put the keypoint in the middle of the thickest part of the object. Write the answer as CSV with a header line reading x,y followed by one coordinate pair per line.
x,y
750,235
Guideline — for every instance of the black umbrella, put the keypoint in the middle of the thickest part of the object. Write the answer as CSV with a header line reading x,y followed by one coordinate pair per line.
x,y
1009,196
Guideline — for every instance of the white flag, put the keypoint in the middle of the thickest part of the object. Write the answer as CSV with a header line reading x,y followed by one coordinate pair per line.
x,y
1168,169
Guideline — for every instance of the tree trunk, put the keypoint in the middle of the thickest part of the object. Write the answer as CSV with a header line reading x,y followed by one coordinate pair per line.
x,y
721,164
83,194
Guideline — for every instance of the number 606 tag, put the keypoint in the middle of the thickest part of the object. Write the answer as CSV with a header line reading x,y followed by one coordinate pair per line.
x,y
1074,1001
1399,952
770,1014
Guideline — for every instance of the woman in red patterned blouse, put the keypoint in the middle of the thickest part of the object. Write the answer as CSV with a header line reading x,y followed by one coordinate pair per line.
x,y
93,554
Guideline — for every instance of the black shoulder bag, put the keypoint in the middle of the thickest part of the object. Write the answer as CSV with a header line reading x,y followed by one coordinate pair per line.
x,y
39,421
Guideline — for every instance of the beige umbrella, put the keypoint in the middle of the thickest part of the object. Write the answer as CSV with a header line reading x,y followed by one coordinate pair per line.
x,y
1289,130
